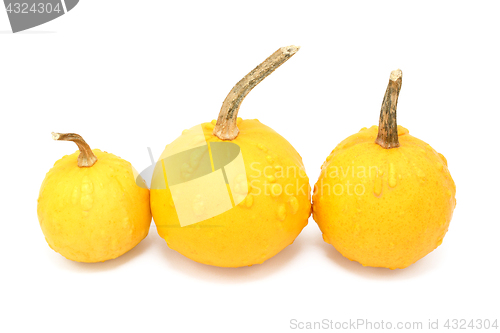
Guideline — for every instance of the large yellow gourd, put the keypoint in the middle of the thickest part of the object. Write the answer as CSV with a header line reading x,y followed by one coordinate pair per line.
x,y
269,200
384,198
90,207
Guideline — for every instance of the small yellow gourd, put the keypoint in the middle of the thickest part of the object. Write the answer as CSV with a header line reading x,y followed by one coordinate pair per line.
x,y
384,198
232,192
90,207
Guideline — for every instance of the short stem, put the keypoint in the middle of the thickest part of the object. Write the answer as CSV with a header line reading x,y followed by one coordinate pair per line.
x,y
388,127
226,128
86,157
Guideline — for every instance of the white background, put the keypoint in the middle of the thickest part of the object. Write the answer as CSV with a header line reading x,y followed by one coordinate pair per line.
x,y
128,75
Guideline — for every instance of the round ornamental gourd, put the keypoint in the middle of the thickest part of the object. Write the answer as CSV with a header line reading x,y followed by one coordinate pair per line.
x,y
90,207
231,192
384,198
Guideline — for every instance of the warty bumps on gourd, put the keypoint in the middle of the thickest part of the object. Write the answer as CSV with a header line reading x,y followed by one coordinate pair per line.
x,y
92,205
384,198
231,192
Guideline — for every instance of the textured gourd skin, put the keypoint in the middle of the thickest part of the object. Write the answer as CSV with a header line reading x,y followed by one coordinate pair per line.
x,y
93,214
261,225
406,207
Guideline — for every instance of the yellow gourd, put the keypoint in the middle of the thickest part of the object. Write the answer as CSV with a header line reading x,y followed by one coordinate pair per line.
x,y
384,198
90,207
231,192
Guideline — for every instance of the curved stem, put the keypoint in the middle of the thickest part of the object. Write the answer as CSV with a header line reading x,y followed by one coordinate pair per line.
x,y
226,128
86,157
388,127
